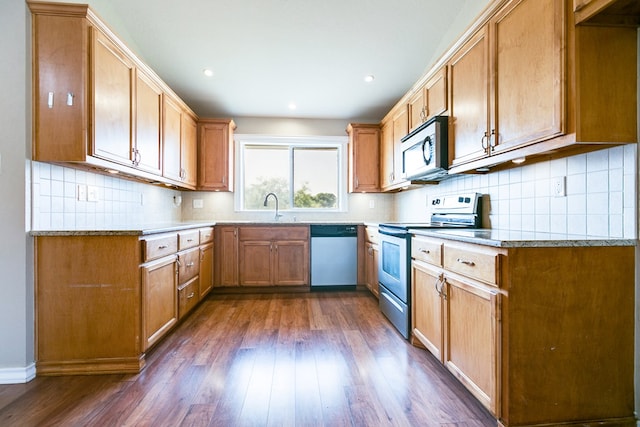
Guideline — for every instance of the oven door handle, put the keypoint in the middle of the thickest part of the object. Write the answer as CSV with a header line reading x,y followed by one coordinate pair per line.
x,y
400,233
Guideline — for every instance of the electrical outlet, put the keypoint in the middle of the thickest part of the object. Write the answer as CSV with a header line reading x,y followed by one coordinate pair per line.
x,y
92,193
372,204
558,186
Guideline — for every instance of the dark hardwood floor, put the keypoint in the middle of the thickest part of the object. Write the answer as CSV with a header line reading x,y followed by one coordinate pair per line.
x,y
304,359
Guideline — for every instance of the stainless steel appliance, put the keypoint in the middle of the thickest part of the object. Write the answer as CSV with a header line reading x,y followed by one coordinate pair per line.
x,y
456,211
425,151
334,257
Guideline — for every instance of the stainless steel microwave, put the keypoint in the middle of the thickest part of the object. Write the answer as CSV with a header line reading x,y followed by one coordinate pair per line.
x,y
425,151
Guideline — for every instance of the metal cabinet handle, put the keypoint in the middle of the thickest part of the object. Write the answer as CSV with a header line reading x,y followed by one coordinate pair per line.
x,y
162,247
425,251
191,295
466,262
191,264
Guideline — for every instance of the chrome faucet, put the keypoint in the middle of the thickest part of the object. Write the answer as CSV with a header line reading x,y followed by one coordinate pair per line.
x,y
275,197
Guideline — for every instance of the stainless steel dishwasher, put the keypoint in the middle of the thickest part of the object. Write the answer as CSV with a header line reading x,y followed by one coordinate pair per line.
x,y
334,257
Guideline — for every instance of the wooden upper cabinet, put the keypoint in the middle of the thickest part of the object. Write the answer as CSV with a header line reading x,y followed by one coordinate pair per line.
x,y
469,82
215,154
607,12
95,103
527,63
364,157
189,150
417,109
147,149
171,134
179,144
429,100
113,87
387,154
435,93
511,71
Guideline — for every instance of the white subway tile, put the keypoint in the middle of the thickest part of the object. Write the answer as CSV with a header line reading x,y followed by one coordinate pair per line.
x,y
598,181
616,227
616,179
577,164
598,204
576,184
597,160
558,223
577,224
577,204
598,225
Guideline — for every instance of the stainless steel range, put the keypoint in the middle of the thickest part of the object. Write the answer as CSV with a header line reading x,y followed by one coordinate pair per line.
x,y
454,211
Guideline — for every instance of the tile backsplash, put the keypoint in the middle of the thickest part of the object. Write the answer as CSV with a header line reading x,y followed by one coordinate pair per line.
x,y
60,200
599,186
600,199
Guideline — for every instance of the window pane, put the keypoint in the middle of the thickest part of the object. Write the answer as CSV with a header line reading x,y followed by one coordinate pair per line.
x,y
266,170
315,177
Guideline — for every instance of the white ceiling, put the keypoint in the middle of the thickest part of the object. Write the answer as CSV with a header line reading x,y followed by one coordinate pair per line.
x,y
268,53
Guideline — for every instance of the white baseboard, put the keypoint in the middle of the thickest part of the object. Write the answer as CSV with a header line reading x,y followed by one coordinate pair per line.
x,y
17,375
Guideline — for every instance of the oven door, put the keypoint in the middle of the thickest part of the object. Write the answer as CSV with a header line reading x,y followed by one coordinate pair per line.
x,y
392,264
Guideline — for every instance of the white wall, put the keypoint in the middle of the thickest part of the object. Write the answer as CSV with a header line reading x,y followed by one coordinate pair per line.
x,y
16,281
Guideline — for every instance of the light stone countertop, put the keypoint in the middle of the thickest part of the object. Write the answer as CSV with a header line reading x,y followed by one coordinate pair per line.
x,y
521,239
146,229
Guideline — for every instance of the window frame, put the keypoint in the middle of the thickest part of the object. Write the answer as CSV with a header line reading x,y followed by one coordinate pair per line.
x,y
338,142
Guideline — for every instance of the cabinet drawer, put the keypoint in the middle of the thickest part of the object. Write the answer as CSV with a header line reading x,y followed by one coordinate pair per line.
x,y
188,239
426,250
371,234
187,297
188,264
158,246
206,235
472,262
274,233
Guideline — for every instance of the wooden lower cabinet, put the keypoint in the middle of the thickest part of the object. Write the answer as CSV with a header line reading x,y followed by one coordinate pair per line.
x,y
427,315
226,256
160,308
206,270
540,335
273,256
471,338
102,300
371,253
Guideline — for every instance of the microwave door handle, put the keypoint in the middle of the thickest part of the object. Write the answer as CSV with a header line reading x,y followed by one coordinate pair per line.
x,y
427,144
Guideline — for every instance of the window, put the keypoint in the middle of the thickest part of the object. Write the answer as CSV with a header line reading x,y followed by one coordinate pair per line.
x,y
305,173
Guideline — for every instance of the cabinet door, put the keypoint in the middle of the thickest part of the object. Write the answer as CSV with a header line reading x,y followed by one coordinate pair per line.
x,y
215,156
386,155
364,158
469,109
371,268
471,339
189,150
427,309
171,134
435,94
159,299
227,256
291,262
256,262
206,269
148,119
527,64
112,89
417,109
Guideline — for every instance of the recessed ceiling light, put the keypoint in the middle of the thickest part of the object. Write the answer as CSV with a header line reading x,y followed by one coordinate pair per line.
x,y
292,106
369,78
519,160
207,72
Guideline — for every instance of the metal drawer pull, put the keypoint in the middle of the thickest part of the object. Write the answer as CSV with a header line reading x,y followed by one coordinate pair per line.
x,y
191,295
465,262
189,240
191,264
426,251
162,247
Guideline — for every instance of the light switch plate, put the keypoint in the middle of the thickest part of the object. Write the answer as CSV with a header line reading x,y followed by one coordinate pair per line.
x,y
198,203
